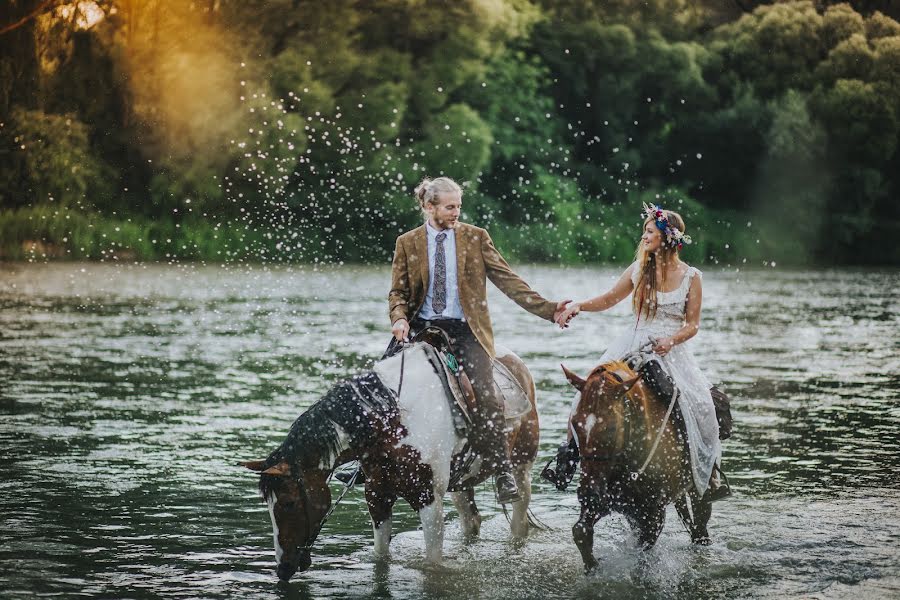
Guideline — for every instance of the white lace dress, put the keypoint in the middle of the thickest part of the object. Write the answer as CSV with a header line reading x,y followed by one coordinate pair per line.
x,y
696,403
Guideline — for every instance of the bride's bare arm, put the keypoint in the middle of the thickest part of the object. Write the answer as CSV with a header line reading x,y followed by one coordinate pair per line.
x,y
691,319
616,294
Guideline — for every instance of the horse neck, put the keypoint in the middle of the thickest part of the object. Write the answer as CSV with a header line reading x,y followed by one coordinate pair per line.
x,y
333,430
636,418
647,413
334,444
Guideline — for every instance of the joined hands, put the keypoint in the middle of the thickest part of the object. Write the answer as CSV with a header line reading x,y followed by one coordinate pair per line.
x,y
565,313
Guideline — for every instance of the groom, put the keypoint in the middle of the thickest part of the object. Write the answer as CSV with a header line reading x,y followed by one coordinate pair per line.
x,y
438,278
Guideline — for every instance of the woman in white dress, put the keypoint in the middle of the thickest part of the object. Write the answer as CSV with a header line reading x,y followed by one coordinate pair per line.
x,y
666,297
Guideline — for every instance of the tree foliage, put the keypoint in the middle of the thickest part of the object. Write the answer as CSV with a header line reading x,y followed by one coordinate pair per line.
x,y
296,129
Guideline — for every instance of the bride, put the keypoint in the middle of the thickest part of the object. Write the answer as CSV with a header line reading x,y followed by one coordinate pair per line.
x,y
666,296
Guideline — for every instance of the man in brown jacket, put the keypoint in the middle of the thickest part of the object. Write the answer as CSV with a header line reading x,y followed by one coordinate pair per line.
x,y
438,279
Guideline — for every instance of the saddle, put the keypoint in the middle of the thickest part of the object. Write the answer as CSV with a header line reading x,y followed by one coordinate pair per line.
x,y
458,387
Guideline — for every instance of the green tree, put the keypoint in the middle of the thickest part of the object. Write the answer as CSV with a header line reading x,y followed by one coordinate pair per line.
x,y
50,159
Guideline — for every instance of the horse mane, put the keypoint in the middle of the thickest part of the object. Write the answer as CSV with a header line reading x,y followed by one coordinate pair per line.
x,y
608,373
352,411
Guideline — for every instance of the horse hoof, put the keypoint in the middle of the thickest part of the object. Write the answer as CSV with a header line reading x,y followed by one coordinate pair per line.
x,y
702,541
590,568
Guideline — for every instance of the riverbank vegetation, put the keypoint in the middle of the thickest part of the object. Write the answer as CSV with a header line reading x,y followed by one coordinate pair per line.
x,y
294,130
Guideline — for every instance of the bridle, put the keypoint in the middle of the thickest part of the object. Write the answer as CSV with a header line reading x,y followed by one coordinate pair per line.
x,y
613,457
313,532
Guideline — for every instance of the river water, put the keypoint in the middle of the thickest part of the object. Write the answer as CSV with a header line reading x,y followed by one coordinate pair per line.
x,y
129,392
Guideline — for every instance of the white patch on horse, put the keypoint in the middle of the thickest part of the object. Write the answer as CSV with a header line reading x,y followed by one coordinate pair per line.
x,y
382,537
424,411
589,423
432,517
271,500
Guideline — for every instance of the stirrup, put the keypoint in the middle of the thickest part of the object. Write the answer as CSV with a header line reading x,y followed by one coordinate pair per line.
x,y
509,493
566,464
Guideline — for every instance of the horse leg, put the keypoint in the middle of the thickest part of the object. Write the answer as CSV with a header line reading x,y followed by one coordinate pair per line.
x,y
519,521
650,525
380,509
695,517
702,513
583,530
432,517
469,516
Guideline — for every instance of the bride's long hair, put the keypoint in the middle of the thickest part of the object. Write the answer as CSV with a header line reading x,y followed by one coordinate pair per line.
x,y
643,301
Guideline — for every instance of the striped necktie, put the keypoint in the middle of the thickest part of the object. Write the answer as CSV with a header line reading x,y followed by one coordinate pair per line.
x,y
440,276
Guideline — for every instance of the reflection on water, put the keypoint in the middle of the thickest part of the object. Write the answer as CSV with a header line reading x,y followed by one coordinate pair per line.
x,y
128,393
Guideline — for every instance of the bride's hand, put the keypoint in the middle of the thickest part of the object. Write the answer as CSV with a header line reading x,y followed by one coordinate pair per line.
x,y
570,313
663,346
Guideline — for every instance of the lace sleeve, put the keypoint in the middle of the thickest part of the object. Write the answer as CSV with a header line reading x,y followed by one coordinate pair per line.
x,y
635,271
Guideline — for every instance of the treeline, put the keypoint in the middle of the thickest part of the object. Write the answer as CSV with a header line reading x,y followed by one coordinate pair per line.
x,y
296,129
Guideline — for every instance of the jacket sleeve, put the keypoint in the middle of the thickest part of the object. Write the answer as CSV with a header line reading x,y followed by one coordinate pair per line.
x,y
501,275
398,297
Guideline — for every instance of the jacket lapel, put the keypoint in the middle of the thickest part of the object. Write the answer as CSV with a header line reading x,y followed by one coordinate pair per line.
x,y
421,241
462,251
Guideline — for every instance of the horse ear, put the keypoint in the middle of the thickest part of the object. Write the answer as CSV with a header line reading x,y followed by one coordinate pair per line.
x,y
574,379
253,465
626,385
282,469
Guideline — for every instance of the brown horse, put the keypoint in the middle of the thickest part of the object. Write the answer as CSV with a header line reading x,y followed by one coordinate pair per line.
x,y
617,424
396,421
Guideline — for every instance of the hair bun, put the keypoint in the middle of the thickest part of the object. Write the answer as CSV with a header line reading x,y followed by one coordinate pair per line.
x,y
422,189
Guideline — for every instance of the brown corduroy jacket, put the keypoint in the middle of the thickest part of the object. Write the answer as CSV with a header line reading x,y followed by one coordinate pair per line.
x,y
476,261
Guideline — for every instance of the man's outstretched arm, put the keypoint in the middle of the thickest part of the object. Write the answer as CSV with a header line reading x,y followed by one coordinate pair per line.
x,y
502,275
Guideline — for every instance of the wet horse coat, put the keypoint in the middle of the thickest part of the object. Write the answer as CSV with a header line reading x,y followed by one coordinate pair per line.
x,y
633,460
405,442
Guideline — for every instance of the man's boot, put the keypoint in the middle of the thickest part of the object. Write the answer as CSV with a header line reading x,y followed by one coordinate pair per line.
x,y
561,474
494,447
507,490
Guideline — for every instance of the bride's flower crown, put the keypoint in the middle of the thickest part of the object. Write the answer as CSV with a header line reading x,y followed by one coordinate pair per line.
x,y
675,238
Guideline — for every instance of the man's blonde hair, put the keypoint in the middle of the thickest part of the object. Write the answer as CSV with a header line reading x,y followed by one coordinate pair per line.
x,y
429,190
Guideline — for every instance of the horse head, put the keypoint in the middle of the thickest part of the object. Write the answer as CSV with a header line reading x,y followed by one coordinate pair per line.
x,y
599,422
298,502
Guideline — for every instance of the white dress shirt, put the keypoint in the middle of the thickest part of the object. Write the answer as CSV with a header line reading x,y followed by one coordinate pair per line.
x,y
454,308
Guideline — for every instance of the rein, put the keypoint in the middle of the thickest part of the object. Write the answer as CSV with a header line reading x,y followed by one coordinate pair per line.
x,y
659,434
318,528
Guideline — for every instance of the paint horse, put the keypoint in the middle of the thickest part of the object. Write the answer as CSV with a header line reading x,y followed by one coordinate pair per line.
x,y
633,459
397,421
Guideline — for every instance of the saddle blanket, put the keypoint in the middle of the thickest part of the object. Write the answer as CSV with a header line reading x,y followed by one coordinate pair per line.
x,y
515,400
